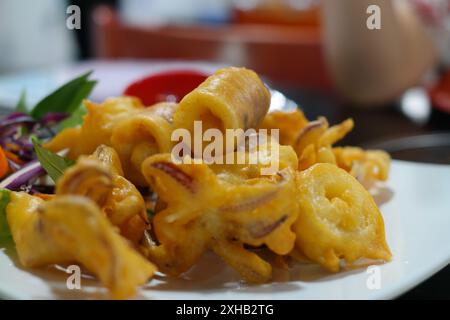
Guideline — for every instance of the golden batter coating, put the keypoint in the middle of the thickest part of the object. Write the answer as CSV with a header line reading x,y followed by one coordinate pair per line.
x,y
338,218
97,127
289,123
71,229
134,131
221,211
232,98
368,166
313,142
99,177
145,133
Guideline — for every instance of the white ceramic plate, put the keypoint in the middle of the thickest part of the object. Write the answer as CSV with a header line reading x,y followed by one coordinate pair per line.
x,y
416,210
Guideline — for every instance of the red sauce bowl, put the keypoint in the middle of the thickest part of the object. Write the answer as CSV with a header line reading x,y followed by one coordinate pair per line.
x,y
170,85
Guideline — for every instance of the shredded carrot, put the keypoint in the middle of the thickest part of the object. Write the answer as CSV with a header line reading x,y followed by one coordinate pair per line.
x,y
11,156
4,167
12,146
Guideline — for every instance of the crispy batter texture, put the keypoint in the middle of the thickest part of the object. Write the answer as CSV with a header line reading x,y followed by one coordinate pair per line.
x,y
134,131
221,211
289,123
145,133
338,218
97,126
313,142
70,229
99,177
231,98
367,166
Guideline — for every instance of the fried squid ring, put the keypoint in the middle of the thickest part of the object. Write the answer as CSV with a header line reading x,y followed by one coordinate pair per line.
x,y
71,229
338,218
209,210
232,98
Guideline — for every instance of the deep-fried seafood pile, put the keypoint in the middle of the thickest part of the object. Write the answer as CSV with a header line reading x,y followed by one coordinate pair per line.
x,y
210,208
313,142
314,203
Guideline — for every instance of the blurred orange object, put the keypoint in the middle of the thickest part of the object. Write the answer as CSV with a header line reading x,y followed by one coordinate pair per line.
x,y
279,12
286,54
13,157
4,167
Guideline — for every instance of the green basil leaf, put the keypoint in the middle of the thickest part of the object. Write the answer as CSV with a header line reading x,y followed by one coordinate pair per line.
x,y
150,214
65,99
53,164
75,119
22,103
5,232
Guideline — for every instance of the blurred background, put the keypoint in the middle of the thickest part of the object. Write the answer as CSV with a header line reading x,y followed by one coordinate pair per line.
x,y
320,53
394,81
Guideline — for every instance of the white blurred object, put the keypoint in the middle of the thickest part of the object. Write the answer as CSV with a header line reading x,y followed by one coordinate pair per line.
x,y
416,105
33,34
161,12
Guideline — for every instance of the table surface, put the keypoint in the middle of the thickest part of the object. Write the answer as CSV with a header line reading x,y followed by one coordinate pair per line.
x,y
373,127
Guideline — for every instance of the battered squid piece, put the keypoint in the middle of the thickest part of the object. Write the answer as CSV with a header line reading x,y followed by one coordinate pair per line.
x,y
99,177
33,247
289,123
368,166
338,218
232,98
211,210
313,142
314,145
70,229
97,126
234,173
134,131
146,133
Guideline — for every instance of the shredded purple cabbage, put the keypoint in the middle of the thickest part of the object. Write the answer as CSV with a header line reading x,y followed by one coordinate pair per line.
x,y
24,177
16,129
